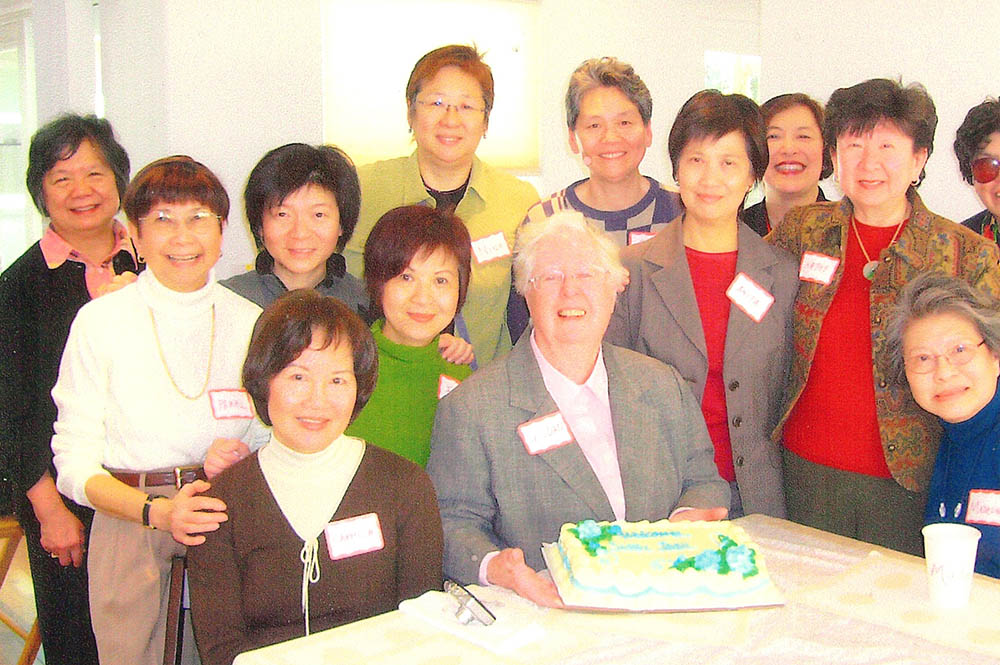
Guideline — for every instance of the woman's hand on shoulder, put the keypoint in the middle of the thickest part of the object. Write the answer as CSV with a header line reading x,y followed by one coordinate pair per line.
x,y
455,349
117,282
222,454
187,516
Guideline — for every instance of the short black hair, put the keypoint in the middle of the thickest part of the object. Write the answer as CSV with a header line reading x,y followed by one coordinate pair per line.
x,y
711,114
290,167
859,108
286,329
401,234
981,121
60,139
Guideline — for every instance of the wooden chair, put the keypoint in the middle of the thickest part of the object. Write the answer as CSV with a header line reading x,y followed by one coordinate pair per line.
x,y
174,640
10,530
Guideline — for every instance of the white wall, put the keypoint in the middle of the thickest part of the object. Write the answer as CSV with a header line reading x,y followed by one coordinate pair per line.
x,y
950,47
226,80
221,81
664,40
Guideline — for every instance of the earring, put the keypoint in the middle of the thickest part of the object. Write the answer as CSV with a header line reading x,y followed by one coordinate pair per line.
x,y
915,182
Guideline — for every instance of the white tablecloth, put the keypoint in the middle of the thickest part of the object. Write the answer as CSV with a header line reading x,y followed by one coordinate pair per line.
x,y
848,602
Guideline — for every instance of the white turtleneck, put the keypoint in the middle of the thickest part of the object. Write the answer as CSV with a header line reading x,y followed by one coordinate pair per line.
x,y
309,487
117,405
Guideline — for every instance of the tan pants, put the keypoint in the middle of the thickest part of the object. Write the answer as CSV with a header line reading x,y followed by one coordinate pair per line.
x,y
129,569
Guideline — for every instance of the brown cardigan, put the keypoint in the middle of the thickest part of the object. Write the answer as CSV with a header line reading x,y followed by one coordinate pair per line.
x,y
928,242
245,580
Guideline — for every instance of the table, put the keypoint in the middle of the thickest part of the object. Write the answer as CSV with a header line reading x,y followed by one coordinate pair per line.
x,y
846,602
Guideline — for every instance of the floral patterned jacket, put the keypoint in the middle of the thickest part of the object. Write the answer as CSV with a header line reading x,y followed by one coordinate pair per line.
x,y
910,435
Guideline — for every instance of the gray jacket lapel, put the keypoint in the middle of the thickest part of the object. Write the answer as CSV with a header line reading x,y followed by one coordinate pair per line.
x,y
672,282
568,462
756,262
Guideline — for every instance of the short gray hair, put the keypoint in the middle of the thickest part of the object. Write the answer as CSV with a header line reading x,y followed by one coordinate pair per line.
x,y
934,293
534,231
609,72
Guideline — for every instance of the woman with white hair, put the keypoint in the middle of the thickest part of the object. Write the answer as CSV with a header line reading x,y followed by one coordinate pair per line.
x,y
565,427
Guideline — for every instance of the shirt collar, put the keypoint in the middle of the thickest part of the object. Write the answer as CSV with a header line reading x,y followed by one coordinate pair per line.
x,y
56,250
558,383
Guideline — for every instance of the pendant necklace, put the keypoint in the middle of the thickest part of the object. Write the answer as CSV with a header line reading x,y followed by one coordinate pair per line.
x,y
163,358
869,269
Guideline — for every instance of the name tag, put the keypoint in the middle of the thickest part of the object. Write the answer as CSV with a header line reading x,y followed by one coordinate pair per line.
x,y
490,248
230,404
753,299
817,268
354,536
545,433
984,507
635,237
446,384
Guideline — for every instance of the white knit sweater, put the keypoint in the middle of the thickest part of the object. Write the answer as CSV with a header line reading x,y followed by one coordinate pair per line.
x,y
117,405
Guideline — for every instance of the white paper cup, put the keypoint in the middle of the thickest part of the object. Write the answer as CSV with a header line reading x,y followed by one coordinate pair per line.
x,y
951,558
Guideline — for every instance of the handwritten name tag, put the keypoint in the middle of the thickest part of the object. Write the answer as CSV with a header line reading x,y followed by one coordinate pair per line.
x,y
984,507
545,433
635,237
753,299
354,536
446,384
230,404
490,248
818,268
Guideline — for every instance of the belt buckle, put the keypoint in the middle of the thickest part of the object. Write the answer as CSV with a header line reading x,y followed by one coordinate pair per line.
x,y
177,478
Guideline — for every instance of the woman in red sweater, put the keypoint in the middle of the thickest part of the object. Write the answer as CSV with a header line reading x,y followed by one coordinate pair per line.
x,y
858,450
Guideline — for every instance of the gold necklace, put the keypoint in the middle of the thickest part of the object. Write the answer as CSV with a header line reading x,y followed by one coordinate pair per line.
x,y
869,268
163,358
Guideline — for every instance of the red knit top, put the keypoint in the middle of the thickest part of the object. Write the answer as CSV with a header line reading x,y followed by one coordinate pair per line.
x,y
711,274
834,422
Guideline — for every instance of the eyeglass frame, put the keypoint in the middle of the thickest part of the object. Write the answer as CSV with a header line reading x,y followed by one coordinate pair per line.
x,y
985,159
949,357
441,105
556,278
160,220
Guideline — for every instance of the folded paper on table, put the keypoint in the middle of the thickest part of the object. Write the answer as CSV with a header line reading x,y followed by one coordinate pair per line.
x,y
518,621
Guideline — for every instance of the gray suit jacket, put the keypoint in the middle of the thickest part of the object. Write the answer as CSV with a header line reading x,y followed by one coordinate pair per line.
x,y
493,494
658,315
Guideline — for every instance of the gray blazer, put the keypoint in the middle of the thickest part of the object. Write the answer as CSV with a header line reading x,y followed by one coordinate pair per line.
x,y
493,494
658,315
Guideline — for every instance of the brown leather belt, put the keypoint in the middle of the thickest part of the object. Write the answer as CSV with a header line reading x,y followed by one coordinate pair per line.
x,y
177,476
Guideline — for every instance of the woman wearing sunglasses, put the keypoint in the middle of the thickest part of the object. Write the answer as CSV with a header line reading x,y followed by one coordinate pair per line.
x,y
977,146
944,340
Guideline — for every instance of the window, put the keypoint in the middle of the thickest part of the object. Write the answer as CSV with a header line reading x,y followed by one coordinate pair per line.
x,y
733,73
20,225
367,61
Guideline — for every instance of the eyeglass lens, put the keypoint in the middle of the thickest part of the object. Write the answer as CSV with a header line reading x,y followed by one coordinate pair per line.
x,y
985,169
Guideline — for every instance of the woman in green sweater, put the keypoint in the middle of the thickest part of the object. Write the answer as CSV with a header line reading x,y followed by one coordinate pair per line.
x,y
417,267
